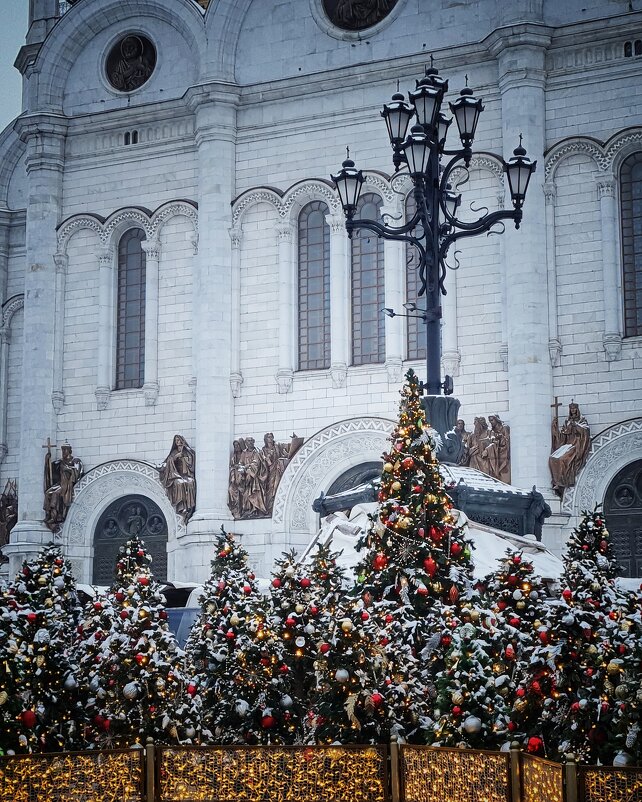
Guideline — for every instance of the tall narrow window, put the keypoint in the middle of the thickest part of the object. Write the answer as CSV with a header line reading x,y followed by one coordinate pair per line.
x,y
631,200
416,329
368,296
314,287
130,334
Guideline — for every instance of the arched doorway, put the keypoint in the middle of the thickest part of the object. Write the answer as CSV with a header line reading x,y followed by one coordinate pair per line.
x,y
623,513
123,518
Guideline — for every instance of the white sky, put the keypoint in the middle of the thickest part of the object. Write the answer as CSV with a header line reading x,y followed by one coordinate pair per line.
x,y
13,28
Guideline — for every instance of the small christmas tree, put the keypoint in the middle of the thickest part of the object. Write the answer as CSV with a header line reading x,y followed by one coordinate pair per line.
x,y
43,598
146,691
12,673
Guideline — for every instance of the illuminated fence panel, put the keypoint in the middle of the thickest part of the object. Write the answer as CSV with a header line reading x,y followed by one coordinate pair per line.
x,y
115,776
435,775
272,774
542,781
605,784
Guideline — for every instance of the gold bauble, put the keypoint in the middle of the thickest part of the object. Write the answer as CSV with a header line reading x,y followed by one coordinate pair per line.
x,y
347,625
613,668
234,620
3,697
387,467
457,697
591,649
521,604
474,615
520,705
300,608
595,586
42,580
537,624
40,660
621,692
395,487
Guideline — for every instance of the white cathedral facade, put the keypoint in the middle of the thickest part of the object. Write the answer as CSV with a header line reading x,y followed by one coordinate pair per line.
x,y
173,255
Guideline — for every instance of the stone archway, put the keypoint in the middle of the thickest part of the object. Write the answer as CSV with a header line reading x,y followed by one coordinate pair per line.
x,y
321,461
95,492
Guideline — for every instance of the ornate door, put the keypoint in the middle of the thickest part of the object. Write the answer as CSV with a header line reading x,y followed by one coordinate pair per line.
x,y
623,512
131,515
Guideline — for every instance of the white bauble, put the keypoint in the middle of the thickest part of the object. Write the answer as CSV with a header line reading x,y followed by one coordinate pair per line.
x,y
517,594
290,570
59,583
622,759
190,732
42,636
342,675
309,629
286,701
70,682
568,620
241,707
534,595
472,724
130,691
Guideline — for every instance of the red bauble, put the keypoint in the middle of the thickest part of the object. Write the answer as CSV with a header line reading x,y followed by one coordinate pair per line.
x,y
455,549
152,709
520,692
536,687
247,590
28,718
445,640
276,582
314,610
31,617
139,658
456,710
290,622
621,649
268,722
191,689
605,707
501,604
143,580
575,707
264,661
603,545
589,672
436,534
380,561
510,652
512,579
120,597
58,561
124,614
535,745
251,576
388,618
223,553
324,648
98,606
26,571
422,590
284,669
421,531
365,615
230,634
517,559
514,621
377,699
587,633
384,641
408,463
512,726
305,582
453,595
431,566
567,594
543,636
140,553
98,635
162,615
598,522
585,547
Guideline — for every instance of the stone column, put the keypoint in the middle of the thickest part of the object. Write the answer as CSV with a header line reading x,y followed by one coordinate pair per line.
x,y
520,51
152,250
554,343
58,395
214,107
45,138
104,376
287,320
450,356
5,339
236,377
612,337
394,274
339,300
5,221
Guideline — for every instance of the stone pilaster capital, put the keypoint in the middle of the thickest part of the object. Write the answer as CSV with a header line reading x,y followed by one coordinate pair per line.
x,y
193,238
285,231
284,380
150,393
555,351
339,374
236,237
102,395
606,187
5,335
550,192
236,382
152,248
106,258
337,223
44,135
61,260
57,401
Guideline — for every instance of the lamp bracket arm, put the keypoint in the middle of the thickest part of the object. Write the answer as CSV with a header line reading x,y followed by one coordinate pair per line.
x,y
477,227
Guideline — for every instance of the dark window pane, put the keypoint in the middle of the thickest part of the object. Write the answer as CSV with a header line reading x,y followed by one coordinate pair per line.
x,y
130,317
368,298
631,216
314,287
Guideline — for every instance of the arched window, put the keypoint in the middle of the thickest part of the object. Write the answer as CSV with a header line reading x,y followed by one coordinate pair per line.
x,y
416,329
368,297
130,316
314,287
631,204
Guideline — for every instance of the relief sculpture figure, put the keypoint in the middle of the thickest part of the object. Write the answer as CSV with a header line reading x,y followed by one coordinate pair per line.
x,y
8,513
498,450
178,476
571,443
60,477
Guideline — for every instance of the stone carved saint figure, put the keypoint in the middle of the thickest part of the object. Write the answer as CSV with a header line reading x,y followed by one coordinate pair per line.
x,y
498,450
178,476
133,67
478,442
60,477
252,489
235,485
8,512
460,428
571,443
357,14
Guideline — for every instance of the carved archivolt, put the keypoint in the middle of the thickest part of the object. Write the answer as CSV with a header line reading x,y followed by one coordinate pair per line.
x,y
151,224
107,482
605,154
9,309
321,460
609,453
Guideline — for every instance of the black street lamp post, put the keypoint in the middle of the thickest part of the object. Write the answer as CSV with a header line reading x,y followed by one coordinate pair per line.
x,y
434,227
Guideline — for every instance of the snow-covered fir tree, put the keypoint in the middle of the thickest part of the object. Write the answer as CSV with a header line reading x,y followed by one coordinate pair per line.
x,y
146,693
43,611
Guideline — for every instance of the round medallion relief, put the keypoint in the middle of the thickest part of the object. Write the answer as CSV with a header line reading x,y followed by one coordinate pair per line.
x,y
130,62
357,15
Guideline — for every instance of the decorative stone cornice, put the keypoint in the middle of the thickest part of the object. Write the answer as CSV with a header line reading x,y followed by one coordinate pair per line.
x,y
526,34
58,401
394,369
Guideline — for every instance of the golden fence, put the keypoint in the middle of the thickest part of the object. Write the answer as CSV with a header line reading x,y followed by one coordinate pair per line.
x,y
541,780
272,774
113,776
309,774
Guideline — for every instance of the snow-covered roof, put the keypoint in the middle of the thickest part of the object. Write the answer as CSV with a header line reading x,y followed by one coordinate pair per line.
x,y
471,477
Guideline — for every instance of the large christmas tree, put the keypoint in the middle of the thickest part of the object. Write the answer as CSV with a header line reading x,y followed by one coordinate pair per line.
x,y
142,690
41,611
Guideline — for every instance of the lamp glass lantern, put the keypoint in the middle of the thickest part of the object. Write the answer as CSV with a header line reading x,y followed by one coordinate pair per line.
x,y
519,169
466,110
349,182
417,151
397,115
427,98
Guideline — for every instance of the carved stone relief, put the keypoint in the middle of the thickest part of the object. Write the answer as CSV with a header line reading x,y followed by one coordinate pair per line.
x,y
570,447
60,478
177,474
255,474
8,513
130,62
487,448
356,15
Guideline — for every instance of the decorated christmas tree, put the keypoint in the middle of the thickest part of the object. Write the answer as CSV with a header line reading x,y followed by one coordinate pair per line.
x,y
11,635
42,611
146,693
232,618
415,553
